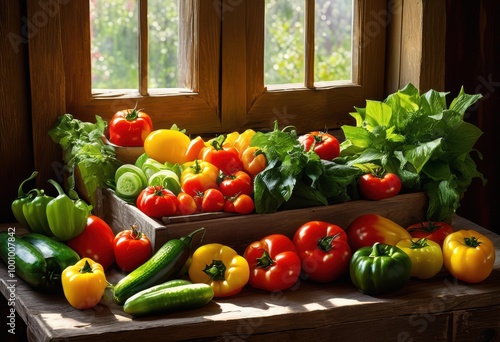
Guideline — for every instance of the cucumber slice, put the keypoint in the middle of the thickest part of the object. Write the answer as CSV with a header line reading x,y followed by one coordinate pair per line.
x,y
167,179
134,169
129,185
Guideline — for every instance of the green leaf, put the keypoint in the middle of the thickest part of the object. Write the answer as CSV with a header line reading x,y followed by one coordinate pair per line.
x,y
419,155
463,101
378,114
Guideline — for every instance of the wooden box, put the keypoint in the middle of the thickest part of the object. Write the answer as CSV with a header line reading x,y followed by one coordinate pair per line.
x,y
237,231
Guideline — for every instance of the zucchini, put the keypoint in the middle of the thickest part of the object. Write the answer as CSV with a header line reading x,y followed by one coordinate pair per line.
x,y
162,266
168,299
24,260
61,253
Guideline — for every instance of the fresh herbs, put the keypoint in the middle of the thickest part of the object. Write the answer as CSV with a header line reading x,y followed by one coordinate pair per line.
x,y
295,178
427,144
84,149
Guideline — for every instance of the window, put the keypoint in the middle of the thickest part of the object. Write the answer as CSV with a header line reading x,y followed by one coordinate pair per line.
x,y
221,82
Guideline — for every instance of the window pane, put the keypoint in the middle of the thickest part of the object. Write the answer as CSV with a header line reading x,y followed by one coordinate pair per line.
x,y
333,40
163,19
284,42
114,29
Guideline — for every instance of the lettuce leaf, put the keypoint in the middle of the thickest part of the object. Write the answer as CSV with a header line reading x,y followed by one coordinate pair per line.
x,y
420,138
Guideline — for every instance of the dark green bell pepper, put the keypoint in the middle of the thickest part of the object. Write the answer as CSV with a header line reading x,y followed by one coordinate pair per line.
x,y
22,198
67,217
35,212
380,268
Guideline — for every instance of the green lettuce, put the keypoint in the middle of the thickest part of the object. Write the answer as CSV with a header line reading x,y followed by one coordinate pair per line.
x,y
418,137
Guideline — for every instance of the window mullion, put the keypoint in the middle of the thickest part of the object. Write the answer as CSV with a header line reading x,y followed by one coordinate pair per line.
x,y
143,47
309,43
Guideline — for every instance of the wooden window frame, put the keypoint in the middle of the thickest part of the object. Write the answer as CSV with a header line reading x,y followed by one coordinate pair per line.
x,y
241,99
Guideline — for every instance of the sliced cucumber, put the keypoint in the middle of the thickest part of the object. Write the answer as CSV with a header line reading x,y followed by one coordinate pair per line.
x,y
134,169
167,179
129,185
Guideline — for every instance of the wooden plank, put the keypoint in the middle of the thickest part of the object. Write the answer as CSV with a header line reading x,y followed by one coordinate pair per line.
x,y
47,80
309,35
143,47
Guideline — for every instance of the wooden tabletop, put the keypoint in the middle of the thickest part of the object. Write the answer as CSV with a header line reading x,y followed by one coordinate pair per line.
x,y
325,312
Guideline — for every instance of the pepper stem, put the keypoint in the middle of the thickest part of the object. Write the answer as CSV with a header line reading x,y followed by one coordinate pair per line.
x,y
86,268
216,270
20,190
58,187
472,241
265,260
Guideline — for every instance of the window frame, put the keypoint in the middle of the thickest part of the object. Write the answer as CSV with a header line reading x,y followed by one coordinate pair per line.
x,y
196,107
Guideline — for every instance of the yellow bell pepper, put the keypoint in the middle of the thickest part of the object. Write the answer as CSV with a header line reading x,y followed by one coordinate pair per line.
x,y
220,267
243,141
468,255
84,283
426,257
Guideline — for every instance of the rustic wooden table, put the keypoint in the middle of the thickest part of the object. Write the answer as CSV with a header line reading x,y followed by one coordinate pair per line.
x,y
438,309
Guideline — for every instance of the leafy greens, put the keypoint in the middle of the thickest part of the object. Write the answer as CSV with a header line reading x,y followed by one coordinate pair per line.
x,y
84,149
427,144
295,178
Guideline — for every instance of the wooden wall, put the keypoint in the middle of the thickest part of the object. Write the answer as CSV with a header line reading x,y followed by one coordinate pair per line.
x,y
16,143
472,60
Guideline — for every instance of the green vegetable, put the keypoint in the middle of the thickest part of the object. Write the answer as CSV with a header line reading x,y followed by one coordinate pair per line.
x,y
67,217
22,198
133,169
128,186
164,264
427,144
166,285
35,212
60,253
169,299
295,178
84,149
380,268
25,260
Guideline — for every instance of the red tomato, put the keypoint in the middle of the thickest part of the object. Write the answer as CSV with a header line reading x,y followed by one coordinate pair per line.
x,y
95,242
226,159
435,231
187,204
243,204
132,248
274,263
213,200
157,202
129,127
375,187
238,183
325,145
323,250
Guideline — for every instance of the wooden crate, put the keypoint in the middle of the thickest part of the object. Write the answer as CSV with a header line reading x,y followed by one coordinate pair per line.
x,y
238,231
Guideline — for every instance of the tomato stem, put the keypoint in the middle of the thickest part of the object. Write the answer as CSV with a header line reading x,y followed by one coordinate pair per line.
x,y
265,260
325,243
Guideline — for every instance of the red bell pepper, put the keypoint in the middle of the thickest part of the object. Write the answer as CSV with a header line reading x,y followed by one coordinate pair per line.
x,y
274,263
367,229
323,250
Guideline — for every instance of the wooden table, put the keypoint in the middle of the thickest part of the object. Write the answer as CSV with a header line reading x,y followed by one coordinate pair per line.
x,y
438,309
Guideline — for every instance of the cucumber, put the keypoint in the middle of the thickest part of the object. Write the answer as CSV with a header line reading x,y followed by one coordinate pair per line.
x,y
169,299
166,285
134,169
24,259
163,265
62,254
128,185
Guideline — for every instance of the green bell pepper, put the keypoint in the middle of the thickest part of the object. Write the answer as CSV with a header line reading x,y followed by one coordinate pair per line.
x,y
380,268
22,198
67,217
35,212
